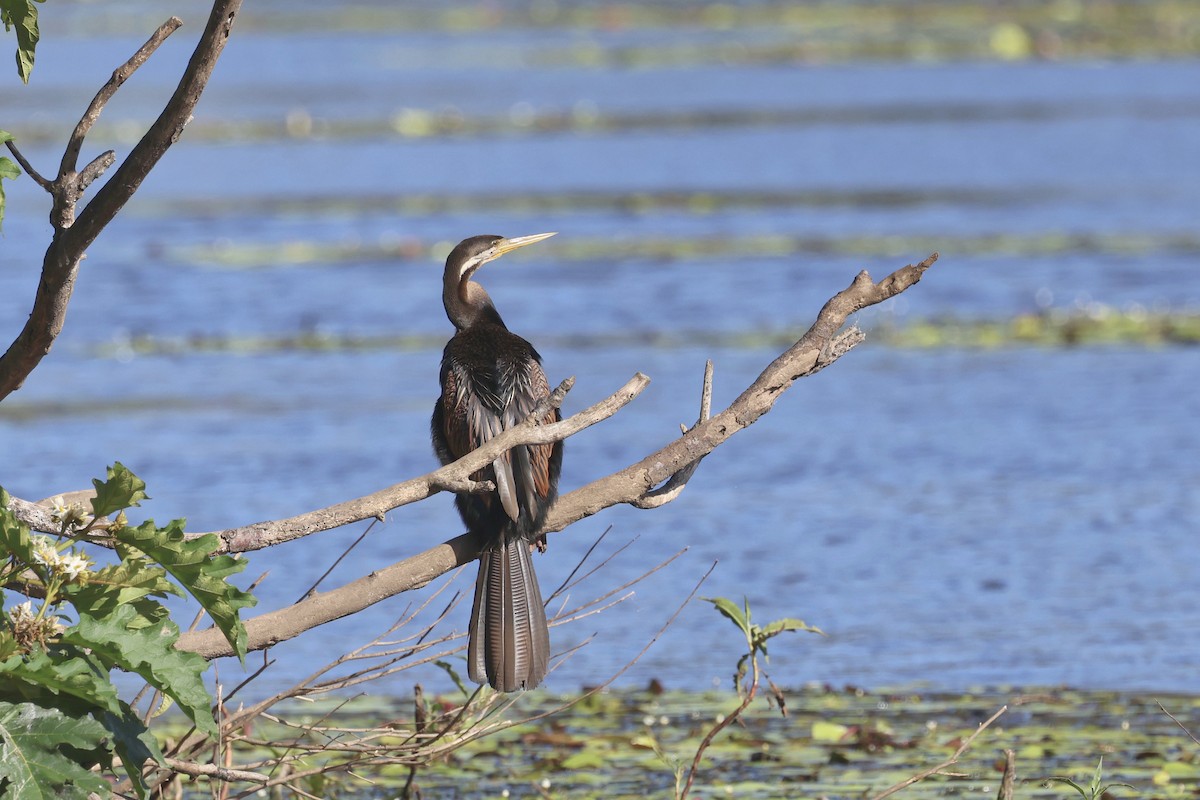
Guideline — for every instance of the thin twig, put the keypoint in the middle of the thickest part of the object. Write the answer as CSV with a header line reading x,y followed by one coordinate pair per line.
x,y
337,561
725,722
95,169
1177,722
591,692
675,485
74,234
579,610
579,564
214,771
448,477
603,563
29,170
962,748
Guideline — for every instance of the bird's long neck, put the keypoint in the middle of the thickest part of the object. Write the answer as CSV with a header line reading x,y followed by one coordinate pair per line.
x,y
467,303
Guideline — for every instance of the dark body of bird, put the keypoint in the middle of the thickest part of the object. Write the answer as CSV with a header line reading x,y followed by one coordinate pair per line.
x,y
492,380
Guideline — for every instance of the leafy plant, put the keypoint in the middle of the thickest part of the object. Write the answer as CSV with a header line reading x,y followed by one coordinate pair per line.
x,y
756,637
1094,790
745,679
56,677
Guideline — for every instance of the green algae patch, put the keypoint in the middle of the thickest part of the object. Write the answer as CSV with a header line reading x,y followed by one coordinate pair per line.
x,y
1099,325
1093,327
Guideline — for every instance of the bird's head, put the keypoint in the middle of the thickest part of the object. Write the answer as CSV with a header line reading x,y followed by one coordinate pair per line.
x,y
465,299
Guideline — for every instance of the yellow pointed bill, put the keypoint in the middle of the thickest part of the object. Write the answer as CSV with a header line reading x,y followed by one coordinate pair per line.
x,y
508,245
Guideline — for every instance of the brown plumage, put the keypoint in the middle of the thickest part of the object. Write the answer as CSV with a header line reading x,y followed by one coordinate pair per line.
x,y
491,380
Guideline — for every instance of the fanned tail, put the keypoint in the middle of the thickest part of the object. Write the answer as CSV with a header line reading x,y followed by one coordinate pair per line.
x,y
509,643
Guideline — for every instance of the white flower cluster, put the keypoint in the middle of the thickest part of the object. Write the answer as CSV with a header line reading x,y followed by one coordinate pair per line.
x,y
69,565
72,516
21,613
26,625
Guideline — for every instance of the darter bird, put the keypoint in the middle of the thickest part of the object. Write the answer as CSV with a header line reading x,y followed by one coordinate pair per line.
x,y
492,380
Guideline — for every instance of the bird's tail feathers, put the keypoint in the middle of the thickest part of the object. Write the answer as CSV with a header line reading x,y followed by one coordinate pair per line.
x,y
509,642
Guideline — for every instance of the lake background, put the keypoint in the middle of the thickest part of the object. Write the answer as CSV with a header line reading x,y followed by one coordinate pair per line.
x,y
952,516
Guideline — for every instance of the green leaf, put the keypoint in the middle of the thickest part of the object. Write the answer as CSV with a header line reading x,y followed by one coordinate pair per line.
x,y
14,536
122,490
1097,778
23,16
47,677
7,170
75,682
202,575
448,668
8,645
32,758
730,609
132,583
1072,784
739,675
134,744
585,759
150,653
787,624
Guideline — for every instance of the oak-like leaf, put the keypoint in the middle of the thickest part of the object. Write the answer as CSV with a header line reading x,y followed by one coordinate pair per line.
x,y
122,490
201,574
32,758
44,678
151,653
132,582
133,743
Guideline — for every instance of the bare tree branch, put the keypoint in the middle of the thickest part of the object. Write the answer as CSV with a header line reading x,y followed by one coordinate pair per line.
x,y
675,486
163,133
121,74
215,771
810,354
817,348
29,170
632,484
1174,719
72,236
452,477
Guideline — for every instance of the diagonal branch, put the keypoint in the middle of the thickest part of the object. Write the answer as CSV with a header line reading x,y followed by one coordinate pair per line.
x,y
70,159
810,354
962,748
453,476
163,133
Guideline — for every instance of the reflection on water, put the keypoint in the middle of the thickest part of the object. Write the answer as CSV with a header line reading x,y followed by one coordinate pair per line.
x,y
1002,516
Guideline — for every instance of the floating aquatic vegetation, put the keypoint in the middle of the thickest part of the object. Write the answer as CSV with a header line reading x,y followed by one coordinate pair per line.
x,y
1053,328
835,742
